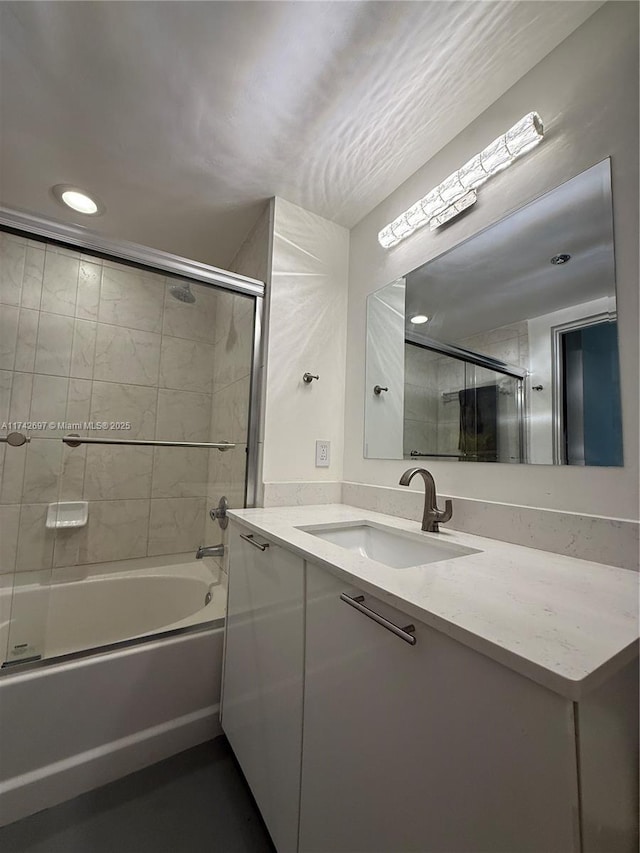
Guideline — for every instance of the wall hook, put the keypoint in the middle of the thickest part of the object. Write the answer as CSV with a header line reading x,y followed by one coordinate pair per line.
x,y
309,377
378,389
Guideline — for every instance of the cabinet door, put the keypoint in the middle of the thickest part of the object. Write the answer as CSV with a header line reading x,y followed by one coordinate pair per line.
x,y
432,747
262,681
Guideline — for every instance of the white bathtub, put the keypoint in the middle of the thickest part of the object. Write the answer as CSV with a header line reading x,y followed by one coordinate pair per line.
x,y
71,725
86,607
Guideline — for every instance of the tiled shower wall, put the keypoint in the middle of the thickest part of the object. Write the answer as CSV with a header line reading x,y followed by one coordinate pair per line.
x,y
431,421
83,339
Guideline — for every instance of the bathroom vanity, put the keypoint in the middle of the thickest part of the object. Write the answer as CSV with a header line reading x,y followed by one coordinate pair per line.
x,y
390,690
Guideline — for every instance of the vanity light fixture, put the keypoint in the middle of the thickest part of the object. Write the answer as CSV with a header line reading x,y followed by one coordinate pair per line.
x,y
457,192
454,209
419,319
77,200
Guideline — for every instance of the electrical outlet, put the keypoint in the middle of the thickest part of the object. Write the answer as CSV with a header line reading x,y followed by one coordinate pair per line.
x,y
322,454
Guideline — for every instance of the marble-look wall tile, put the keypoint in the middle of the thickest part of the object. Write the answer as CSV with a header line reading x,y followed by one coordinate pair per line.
x,y
14,459
35,540
179,472
6,382
83,349
116,530
9,316
79,400
88,296
136,404
231,309
42,470
49,401
27,340
230,411
232,360
127,355
131,300
55,340
420,436
71,479
21,392
60,282
417,403
32,279
183,416
227,475
16,403
12,258
194,321
176,525
9,523
116,473
186,365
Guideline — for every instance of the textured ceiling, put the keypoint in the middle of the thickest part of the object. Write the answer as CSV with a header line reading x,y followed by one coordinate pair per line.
x,y
184,117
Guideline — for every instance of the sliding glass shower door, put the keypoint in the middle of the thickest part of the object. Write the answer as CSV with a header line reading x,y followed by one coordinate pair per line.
x,y
132,391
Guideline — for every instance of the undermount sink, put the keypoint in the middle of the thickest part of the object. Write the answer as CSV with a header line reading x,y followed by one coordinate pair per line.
x,y
387,545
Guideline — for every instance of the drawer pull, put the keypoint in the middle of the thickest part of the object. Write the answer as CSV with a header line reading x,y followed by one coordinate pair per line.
x,y
405,633
248,537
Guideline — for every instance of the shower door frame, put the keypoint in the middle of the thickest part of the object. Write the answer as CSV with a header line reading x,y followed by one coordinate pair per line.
x,y
27,225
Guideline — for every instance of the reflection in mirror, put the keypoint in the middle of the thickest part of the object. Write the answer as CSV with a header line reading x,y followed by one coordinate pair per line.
x,y
508,341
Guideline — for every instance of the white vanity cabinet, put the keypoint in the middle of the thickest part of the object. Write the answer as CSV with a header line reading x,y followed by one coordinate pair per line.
x,y
431,747
263,676
354,739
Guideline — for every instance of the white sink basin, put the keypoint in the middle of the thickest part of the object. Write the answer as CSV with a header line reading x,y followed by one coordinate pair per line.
x,y
388,545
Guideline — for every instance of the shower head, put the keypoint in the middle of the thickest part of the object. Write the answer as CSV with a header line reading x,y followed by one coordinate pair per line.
x,y
182,292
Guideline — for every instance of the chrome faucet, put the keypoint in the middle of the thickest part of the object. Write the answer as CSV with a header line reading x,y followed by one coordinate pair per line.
x,y
431,515
210,551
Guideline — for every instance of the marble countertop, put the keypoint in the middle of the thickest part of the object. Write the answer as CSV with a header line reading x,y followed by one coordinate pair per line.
x,y
566,623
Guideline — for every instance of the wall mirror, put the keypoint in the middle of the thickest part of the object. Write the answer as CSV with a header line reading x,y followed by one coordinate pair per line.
x,y
504,348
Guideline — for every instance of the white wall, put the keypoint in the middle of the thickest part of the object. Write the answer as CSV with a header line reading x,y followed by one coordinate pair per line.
x,y
586,91
307,308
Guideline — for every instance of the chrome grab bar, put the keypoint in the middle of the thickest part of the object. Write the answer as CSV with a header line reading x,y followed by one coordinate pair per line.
x,y
15,439
405,633
76,440
248,537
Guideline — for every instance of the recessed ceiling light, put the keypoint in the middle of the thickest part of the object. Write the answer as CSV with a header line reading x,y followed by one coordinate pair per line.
x,y
419,318
558,260
77,200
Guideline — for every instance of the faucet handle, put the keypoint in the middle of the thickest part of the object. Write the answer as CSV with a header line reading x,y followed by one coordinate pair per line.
x,y
445,515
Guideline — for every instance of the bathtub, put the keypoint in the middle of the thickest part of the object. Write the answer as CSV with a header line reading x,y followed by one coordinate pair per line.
x,y
75,608
73,723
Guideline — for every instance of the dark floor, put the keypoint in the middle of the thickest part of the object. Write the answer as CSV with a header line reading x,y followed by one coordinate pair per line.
x,y
194,802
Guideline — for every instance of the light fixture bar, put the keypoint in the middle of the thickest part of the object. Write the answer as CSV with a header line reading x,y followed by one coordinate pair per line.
x,y
519,139
453,210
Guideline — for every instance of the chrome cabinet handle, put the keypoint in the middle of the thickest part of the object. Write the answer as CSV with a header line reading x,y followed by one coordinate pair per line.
x,y
248,537
405,633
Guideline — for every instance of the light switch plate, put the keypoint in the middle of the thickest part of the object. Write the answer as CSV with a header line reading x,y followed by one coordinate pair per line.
x,y
323,449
